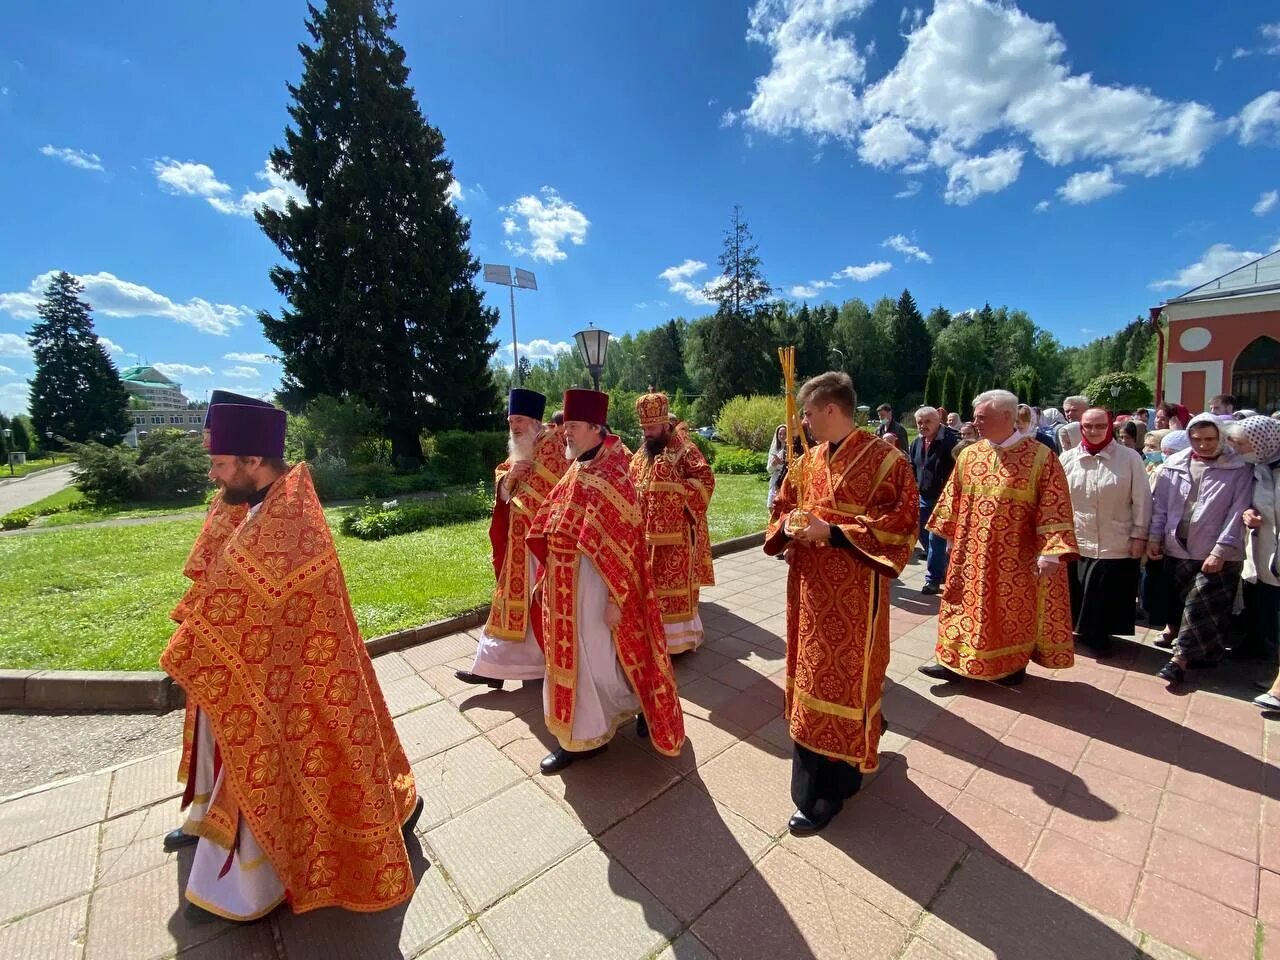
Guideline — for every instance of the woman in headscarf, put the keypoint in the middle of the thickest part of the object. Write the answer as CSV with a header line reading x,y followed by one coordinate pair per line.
x,y
1132,433
1111,506
1155,587
1257,441
1051,419
1196,521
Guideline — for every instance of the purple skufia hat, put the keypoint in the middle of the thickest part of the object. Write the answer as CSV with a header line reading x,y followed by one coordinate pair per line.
x,y
240,430
226,396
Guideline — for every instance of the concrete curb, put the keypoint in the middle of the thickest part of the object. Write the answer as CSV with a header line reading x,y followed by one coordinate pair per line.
x,y
139,690
5,481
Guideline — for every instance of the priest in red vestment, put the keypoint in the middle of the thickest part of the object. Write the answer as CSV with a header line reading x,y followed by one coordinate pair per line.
x,y
606,649
847,515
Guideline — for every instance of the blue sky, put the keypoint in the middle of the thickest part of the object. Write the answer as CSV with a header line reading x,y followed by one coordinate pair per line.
x,y
1080,161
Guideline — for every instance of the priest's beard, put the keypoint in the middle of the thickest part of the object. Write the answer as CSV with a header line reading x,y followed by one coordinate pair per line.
x,y
655,445
239,488
519,447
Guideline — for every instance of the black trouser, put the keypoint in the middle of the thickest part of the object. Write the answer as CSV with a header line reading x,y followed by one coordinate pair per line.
x,y
820,785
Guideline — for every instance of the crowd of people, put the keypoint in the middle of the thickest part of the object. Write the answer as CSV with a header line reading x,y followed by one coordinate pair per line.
x,y
1039,531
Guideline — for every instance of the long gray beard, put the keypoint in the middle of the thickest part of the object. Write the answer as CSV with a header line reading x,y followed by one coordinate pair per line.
x,y
518,450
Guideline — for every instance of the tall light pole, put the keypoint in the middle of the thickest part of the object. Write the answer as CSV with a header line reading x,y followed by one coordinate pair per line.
x,y
500,274
841,352
48,435
593,344
8,434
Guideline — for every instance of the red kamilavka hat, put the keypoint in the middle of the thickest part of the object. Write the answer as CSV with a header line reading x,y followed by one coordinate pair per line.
x,y
589,406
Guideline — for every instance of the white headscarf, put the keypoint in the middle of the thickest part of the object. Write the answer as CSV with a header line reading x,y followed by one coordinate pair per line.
x,y
1264,434
1175,441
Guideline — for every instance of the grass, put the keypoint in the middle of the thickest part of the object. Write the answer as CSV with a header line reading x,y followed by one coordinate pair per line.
x,y
22,469
98,598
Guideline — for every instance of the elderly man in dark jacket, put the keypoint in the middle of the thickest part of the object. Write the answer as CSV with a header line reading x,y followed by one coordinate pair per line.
x,y
932,455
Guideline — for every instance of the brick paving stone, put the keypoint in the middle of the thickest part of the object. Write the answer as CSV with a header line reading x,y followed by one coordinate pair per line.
x,y
252,942
752,782
685,848
486,708
145,782
437,652
1032,760
1206,708
1131,764
940,761
1192,921
905,787
408,693
1065,741
391,667
53,934
883,855
704,696
48,813
957,732
686,947
1084,874
1220,784
1124,794
1032,801
777,734
1195,866
144,918
442,677
995,832
588,905
132,859
1210,825
1118,834
504,842
459,778
149,823
602,791
919,949
1269,897
906,709
466,944
47,872
335,934
435,728
747,711
787,908
991,910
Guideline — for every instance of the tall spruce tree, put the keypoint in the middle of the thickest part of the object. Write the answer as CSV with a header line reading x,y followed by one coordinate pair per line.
x,y
665,356
380,293
736,342
910,347
950,391
76,392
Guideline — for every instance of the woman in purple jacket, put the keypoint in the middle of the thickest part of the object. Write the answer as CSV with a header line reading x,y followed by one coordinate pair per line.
x,y
1196,525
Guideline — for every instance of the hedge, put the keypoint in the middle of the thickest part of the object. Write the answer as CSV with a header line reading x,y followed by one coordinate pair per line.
x,y
377,522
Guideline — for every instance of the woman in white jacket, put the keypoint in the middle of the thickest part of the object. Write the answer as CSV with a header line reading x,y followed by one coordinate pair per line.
x,y
1111,501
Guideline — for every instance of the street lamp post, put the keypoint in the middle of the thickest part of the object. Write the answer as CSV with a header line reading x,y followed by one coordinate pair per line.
x,y
593,344
841,352
500,273
8,454
48,435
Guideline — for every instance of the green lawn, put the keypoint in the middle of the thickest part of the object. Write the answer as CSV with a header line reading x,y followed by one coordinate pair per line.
x,y
99,598
22,469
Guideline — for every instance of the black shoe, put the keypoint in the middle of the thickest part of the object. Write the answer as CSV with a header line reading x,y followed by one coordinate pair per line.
x,y
407,828
884,725
930,589
467,677
642,727
177,839
937,671
1203,664
1172,673
801,826
1013,679
559,758
1163,642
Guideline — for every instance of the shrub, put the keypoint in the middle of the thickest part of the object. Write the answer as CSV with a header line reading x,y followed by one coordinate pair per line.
x,y
750,421
703,444
106,475
334,480
467,456
16,520
736,460
1132,392
172,465
377,522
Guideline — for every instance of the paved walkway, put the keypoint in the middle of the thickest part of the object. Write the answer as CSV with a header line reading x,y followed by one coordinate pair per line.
x,y
1086,815
18,493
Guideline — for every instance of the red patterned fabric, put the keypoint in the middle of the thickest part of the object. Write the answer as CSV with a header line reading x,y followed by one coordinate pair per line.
x,y
838,598
269,650
1003,507
512,609
594,511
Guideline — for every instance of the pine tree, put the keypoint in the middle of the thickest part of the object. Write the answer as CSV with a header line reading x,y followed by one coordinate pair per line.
x,y
950,391
736,342
76,392
930,396
381,301
21,439
664,355
910,347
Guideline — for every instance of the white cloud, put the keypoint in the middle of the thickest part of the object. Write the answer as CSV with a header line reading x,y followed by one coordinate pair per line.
x,y
110,296
278,192
72,157
1042,206
184,178
1266,202
1218,259
972,69
1270,45
679,279
906,248
1091,186
14,397
7,371
250,357
537,350
910,190
453,193
971,177
182,370
242,373
867,271
549,220
110,345
13,345
888,143
1260,117
811,289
